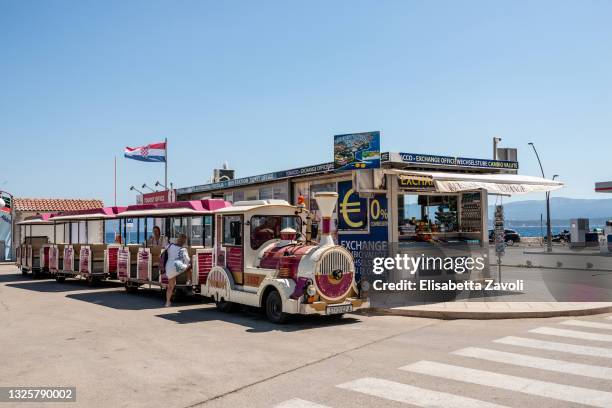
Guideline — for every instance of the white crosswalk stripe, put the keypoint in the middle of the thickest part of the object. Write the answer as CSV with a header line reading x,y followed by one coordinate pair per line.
x,y
299,403
575,334
538,388
556,361
554,346
586,323
420,397
540,363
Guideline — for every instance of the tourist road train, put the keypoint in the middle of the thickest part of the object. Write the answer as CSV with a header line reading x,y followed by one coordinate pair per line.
x,y
257,253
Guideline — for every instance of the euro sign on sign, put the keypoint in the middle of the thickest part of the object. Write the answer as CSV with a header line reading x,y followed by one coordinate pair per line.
x,y
353,209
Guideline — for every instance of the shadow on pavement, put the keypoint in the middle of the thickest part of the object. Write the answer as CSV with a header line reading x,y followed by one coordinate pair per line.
x,y
16,277
255,321
51,286
119,299
48,286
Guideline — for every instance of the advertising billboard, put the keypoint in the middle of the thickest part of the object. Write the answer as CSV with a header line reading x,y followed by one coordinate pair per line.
x,y
357,151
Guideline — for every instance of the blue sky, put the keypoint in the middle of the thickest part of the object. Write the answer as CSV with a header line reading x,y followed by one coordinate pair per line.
x,y
266,84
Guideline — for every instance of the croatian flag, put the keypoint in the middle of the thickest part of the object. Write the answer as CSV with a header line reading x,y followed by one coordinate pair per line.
x,y
155,152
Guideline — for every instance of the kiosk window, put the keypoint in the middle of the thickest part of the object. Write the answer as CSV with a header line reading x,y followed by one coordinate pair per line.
x,y
232,230
267,227
427,217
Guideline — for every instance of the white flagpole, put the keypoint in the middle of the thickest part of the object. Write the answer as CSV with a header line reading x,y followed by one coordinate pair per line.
x,y
166,163
115,181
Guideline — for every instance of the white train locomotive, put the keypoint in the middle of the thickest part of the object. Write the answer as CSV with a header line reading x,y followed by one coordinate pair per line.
x,y
264,257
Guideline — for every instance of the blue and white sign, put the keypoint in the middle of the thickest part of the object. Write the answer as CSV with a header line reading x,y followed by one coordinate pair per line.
x,y
357,151
434,160
363,226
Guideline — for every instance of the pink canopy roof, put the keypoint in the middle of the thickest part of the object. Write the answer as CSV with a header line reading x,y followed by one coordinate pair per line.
x,y
195,205
104,212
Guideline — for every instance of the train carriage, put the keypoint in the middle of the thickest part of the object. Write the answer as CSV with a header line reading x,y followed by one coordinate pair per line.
x,y
33,251
80,250
264,258
137,261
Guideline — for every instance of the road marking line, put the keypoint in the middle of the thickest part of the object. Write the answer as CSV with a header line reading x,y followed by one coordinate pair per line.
x,y
546,389
299,403
551,345
575,334
540,363
421,397
586,323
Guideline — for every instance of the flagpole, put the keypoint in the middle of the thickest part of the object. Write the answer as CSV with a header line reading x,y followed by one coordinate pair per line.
x,y
115,181
166,163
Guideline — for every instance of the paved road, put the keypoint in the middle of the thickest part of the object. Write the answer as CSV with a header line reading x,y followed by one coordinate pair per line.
x,y
126,350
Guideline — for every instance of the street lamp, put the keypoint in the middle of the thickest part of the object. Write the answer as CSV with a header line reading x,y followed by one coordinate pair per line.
x,y
157,184
144,185
548,228
132,188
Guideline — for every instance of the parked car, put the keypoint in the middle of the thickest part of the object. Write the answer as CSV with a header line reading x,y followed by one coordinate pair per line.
x,y
510,236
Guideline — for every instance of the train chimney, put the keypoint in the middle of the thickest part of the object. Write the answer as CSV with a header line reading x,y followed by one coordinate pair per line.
x,y
326,200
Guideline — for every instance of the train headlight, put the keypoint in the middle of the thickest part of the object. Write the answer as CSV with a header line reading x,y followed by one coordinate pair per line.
x,y
311,290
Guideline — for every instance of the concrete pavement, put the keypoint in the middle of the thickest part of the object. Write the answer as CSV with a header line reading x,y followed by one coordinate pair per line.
x,y
127,350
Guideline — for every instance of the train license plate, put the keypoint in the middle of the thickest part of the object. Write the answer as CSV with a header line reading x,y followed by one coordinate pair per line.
x,y
336,309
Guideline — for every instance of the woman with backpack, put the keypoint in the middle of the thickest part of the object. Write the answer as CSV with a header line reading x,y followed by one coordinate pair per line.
x,y
176,261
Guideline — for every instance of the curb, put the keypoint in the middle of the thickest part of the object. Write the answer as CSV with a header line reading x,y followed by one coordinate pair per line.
x,y
454,315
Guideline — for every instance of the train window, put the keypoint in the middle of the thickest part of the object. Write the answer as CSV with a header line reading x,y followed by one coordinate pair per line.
x,y
74,232
148,228
197,231
111,228
267,227
178,226
208,231
131,226
232,230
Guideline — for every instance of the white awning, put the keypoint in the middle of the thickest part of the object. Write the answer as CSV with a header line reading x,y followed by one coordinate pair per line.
x,y
493,183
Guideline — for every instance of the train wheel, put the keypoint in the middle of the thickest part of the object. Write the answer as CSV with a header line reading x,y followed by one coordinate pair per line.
x,y
24,271
60,279
225,307
274,308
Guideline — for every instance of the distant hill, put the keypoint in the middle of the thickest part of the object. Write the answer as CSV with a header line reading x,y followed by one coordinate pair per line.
x,y
561,209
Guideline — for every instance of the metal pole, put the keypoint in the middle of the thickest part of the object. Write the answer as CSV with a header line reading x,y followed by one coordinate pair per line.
x,y
166,163
496,140
115,181
548,227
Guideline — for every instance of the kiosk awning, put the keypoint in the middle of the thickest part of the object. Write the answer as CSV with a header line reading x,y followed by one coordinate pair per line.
x,y
493,183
